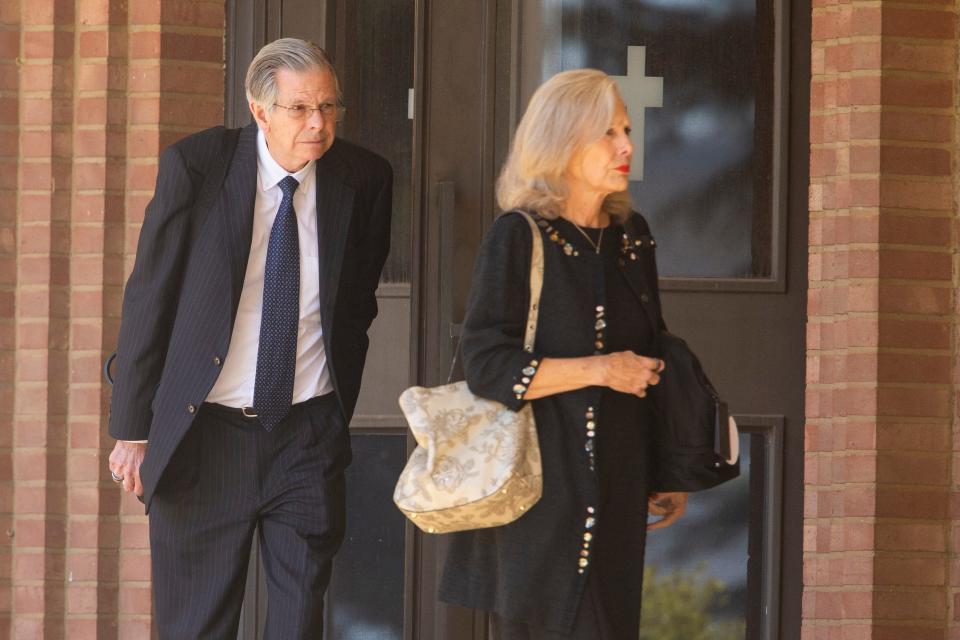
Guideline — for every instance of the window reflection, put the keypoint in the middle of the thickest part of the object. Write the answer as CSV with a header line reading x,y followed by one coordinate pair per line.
x,y
377,78
365,599
707,152
700,570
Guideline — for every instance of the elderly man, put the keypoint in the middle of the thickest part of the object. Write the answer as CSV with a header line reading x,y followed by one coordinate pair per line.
x,y
241,348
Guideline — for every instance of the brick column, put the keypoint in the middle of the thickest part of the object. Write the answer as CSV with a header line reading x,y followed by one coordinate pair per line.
x,y
881,348
9,158
90,92
41,398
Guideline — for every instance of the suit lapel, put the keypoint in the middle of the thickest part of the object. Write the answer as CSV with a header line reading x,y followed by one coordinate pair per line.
x,y
334,213
237,201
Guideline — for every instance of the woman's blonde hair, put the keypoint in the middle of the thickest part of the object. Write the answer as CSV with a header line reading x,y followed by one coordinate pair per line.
x,y
569,111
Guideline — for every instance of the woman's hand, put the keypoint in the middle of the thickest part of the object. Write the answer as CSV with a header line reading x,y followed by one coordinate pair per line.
x,y
622,371
670,505
626,372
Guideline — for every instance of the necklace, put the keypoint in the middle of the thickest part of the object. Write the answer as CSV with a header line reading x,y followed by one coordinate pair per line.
x,y
595,245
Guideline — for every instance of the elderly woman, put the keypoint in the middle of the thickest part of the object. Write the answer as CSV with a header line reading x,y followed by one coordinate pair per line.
x,y
572,566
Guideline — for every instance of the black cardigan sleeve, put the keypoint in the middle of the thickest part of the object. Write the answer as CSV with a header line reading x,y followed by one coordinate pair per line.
x,y
496,365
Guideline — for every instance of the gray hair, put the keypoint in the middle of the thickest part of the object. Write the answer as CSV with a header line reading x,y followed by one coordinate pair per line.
x,y
569,111
286,53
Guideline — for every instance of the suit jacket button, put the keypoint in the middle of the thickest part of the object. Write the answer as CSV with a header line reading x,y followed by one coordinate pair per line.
x,y
191,408
644,297
217,361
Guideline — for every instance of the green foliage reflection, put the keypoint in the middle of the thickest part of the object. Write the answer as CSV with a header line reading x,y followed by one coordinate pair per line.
x,y
682,606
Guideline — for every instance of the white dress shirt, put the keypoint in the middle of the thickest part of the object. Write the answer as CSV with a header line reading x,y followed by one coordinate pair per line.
x,y
234,386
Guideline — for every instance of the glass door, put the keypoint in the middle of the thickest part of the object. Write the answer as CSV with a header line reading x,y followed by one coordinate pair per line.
x,y
707,87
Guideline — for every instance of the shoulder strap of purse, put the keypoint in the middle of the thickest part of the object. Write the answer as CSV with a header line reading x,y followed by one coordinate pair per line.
x,y
536,283
536,286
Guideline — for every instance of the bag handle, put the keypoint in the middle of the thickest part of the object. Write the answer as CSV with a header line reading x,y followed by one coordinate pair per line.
x,y
536,287
536,283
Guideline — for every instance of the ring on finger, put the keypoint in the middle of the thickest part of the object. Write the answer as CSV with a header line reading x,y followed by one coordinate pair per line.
x,y
115,477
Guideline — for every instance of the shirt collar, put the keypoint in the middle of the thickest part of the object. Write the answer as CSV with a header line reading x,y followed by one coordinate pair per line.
x,y
271,173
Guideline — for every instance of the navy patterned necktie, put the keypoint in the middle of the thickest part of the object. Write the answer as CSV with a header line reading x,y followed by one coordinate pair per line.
x,y
280,318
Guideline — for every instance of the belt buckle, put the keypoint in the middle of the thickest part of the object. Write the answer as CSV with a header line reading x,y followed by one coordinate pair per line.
x,y
248,412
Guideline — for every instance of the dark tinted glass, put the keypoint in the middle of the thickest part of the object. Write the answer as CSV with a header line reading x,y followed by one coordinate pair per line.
x,y
377,75
705,139
697,573
365,600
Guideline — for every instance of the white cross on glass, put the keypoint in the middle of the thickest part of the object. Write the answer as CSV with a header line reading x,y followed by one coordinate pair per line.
x,y
638,92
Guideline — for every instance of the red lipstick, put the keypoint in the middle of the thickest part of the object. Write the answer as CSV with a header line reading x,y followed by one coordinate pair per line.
x,y
624,168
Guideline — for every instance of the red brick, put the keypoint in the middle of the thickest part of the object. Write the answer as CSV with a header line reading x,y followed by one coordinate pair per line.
x,y
90,13
39,533
913,436
94,43
191,112
853,604
82,599
913,194
914,402
917,92
920,265
915,161
134,628
914,298
865,90
198,48
908,126
146,45
914,334
141,176
926,502
85,466
87,304
909,23
86,401
823,161
899,229
135,567
921,57
191,79
913,468
864,21
865,56
911,605
136,534
86,434
90,534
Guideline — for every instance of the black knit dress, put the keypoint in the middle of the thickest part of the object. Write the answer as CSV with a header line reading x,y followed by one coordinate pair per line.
x,y
572,566
610,607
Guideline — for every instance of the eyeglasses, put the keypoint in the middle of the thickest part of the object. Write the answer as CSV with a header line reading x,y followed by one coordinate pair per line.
x,y
302,111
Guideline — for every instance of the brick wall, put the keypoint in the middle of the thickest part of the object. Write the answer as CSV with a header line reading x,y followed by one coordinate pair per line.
x,y
882,424
90,91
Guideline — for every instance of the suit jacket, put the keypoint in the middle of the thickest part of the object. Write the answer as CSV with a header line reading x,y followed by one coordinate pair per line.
x,y
181,300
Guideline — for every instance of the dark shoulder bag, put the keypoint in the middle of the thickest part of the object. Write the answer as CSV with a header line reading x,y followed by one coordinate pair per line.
x,y
695,437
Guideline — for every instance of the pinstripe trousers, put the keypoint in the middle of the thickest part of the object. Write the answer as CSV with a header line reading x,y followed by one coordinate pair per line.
x,y
228,477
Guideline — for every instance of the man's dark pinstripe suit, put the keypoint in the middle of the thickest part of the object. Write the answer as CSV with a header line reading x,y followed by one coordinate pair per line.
x,y
178,312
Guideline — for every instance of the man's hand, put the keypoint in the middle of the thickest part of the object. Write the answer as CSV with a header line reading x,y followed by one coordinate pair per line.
x,y
669,505
125,460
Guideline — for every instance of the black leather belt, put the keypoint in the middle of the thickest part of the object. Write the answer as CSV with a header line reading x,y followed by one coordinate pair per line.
x,y
251,414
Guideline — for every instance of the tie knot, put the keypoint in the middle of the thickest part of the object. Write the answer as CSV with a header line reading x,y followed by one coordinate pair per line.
x,y
288,185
